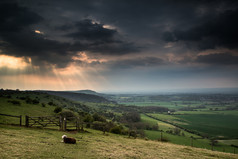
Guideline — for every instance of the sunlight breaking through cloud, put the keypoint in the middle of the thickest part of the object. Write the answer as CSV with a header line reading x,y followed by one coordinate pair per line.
x,y
14,62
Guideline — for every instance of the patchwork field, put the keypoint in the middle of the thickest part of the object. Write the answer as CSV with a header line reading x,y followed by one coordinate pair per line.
x,y
184,139
220,124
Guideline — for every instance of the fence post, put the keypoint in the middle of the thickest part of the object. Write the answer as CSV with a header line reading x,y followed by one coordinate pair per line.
x,y
60,123
161,135
20,119
191,141
65,124
27,121
77,124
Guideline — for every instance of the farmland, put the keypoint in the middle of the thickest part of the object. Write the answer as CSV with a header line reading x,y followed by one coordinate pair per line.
x,y
177,121
184,139
210,124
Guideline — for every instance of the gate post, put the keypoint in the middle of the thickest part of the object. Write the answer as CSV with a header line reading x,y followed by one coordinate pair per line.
x,y
65,124
27,121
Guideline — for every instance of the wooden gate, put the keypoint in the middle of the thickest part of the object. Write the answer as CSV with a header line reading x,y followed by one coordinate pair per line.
x,y
63,123
46,121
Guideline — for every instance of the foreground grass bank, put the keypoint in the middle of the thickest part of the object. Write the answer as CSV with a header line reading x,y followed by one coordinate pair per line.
x,y
20,142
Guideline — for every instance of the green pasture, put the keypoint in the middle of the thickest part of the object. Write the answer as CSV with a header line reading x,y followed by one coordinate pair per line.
x,y
183,140
20,142
23,109
211,123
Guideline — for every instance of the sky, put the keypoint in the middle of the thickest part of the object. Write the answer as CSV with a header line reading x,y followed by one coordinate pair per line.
x,y
118,45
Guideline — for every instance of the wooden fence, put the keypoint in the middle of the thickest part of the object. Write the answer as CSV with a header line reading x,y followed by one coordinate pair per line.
x,y
63,123
14,116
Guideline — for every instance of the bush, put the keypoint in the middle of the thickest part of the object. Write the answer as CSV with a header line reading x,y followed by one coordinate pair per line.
x,y
67,113
43,104
98,125
97,117
131,117
28,100
58,109
15,102
132,133
35,101
87,118
155,127
51,103
116,130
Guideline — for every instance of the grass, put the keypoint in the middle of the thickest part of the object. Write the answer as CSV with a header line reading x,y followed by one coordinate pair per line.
x,y
23,109
182,140
20,142
212,124
216,124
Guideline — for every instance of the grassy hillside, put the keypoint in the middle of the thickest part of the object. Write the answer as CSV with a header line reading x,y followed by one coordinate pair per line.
x,y
33,104
19,142
81,97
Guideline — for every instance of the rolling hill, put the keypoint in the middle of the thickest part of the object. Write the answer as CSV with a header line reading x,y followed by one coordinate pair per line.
x,y
80,97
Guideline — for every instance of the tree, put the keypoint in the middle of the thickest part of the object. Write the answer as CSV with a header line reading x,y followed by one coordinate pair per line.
x,y
58,109
97,117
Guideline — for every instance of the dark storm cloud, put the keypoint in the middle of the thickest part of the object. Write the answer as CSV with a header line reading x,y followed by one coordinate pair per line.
x,y
140,27
98,39
14,18
18,38
220,31
87,30
218,59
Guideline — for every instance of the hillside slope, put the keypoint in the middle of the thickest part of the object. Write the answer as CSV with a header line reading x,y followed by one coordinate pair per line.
x,y
19,142
81,97
33,104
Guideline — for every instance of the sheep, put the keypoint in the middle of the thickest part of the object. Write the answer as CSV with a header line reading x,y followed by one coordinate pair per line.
x,y
68,140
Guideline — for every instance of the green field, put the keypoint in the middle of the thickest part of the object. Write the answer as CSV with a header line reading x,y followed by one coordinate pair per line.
x,y
20,142
216,124
23,109
183,140
212,124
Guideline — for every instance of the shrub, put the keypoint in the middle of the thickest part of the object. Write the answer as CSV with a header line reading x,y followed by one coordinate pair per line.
x,y
97,117
67,113
88,118
132,133
35,101
43,104
131,117
177,131
15,102
28,100
51,103
98,125
155,127
116,130
58,109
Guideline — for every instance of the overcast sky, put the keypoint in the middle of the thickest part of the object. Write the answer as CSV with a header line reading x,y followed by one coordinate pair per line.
x,y
118,45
